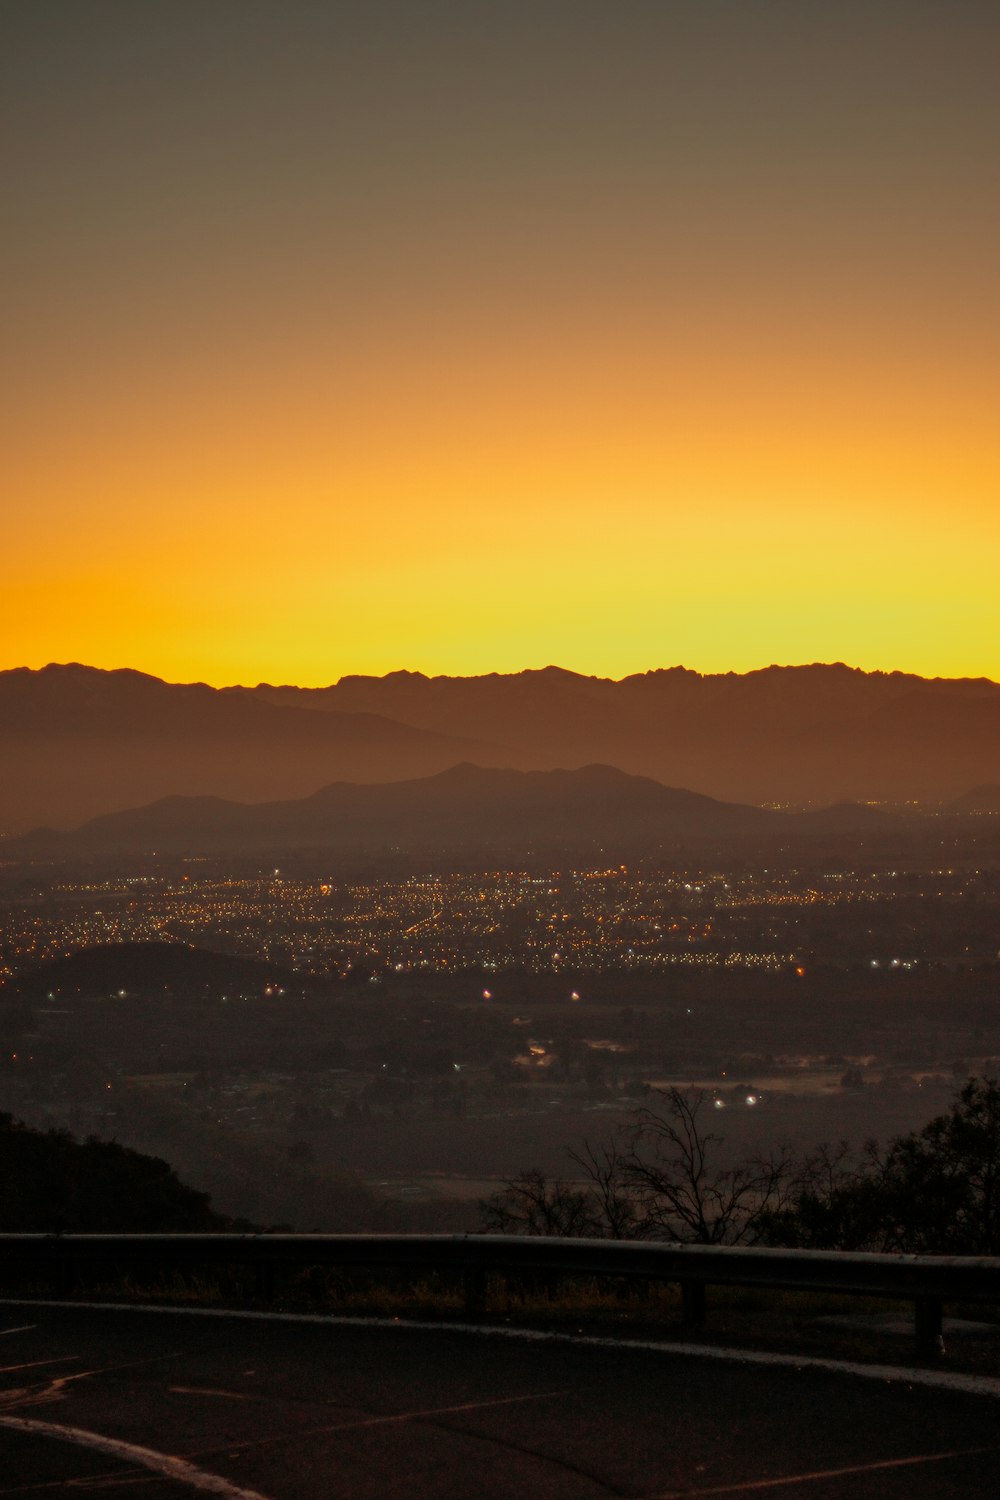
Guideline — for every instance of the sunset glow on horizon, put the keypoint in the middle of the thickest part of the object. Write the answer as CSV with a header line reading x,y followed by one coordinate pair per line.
x,y
342,340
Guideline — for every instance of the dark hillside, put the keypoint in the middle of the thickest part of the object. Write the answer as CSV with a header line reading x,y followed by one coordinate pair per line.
x,y
53,1184
152,968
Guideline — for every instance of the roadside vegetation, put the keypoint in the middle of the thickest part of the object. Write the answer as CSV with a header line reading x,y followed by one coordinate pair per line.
x,y
934,1191
657,1177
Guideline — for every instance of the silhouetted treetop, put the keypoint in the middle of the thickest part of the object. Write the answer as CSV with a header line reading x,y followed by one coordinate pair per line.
x,y
52,1183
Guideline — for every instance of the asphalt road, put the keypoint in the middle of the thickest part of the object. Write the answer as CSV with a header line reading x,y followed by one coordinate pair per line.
x,y
157,1404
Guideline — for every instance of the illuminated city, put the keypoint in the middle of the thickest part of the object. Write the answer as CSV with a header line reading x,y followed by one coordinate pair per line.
x,y
587,921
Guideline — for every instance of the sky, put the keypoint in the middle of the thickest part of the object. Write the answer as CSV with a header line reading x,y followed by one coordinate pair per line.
x,y
475,336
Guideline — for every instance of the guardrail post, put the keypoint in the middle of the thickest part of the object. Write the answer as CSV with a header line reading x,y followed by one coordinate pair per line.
x,y
65,1274
475,1290
928,1326
693,1297
265,1280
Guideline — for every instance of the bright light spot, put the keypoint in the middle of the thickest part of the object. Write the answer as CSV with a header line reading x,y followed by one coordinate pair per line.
x,y
487,994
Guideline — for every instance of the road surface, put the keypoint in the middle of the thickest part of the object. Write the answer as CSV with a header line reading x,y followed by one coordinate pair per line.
x,y
157,1404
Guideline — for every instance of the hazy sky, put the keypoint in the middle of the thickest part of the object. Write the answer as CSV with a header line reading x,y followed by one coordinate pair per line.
x,y
478,335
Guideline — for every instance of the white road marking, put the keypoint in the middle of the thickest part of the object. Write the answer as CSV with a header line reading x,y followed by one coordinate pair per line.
x,y
161,1463
24,1328
35,1364
820,1474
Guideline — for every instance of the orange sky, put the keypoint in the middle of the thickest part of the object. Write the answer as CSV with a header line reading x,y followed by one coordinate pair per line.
x,y
612,338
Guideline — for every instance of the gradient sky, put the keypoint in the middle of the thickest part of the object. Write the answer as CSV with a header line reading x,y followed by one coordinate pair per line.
x,y
472,336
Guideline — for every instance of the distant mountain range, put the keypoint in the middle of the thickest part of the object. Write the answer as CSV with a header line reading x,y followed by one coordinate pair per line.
x,y
76,742
810,735
467,811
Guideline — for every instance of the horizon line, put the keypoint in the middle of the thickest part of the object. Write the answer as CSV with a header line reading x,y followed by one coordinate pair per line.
x,y
550,667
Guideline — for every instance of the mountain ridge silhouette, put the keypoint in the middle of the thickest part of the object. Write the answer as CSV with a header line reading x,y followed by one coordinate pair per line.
x,y
77,741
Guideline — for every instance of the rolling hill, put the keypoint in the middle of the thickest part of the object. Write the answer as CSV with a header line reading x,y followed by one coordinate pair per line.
x,y
466,811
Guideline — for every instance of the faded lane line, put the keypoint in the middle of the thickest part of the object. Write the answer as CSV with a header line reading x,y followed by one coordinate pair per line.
x,y
197,1390
24,1328
160,1463
751,1485
43,1394
93,1483
60,1359
403,1416
443,1411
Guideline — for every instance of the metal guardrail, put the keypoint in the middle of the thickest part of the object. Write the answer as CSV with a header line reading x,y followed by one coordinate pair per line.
x,y
928,1281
